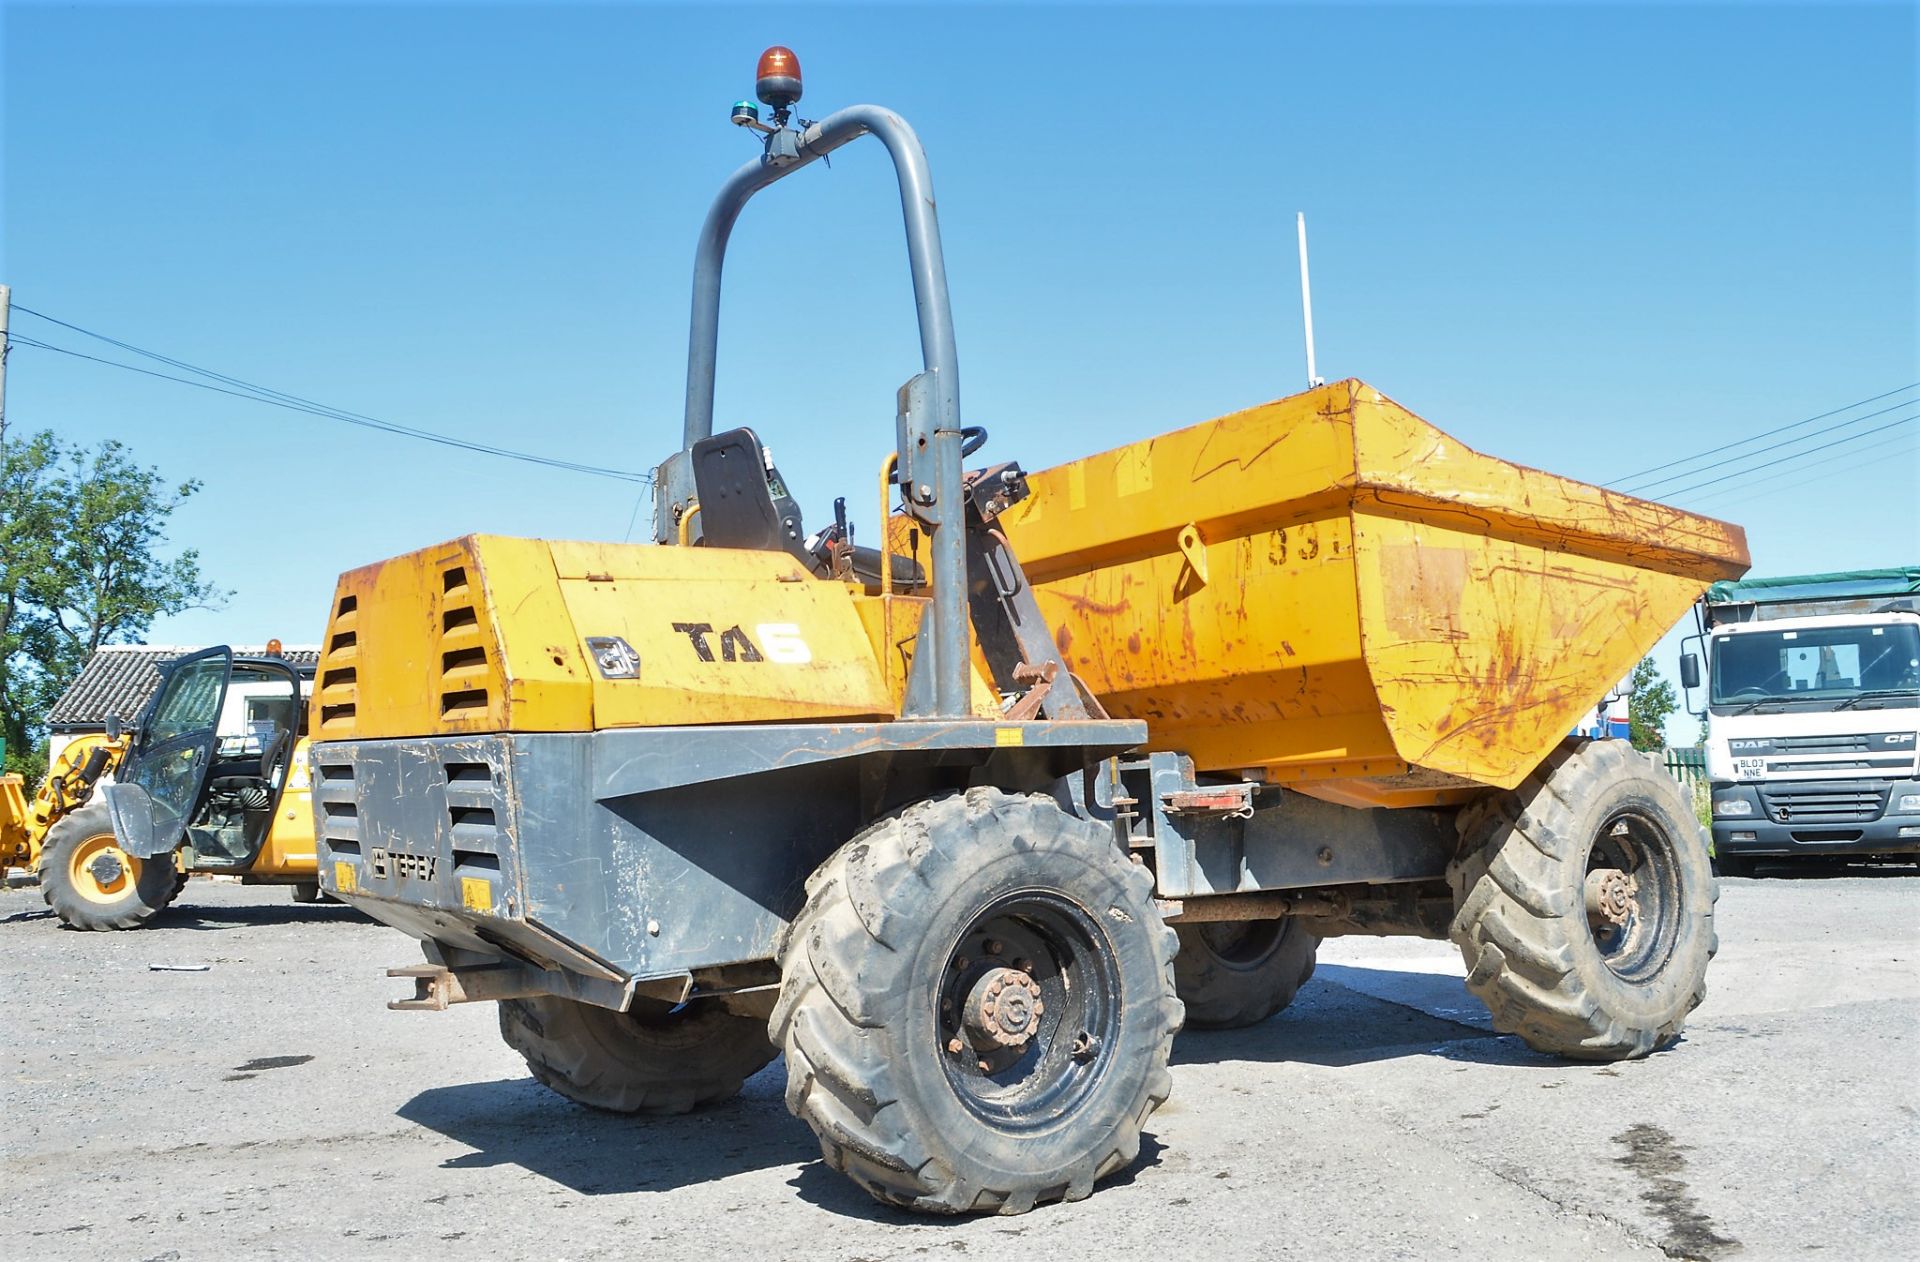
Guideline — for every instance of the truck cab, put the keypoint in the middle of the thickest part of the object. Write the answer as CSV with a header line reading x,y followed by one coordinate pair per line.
x,y
1812,702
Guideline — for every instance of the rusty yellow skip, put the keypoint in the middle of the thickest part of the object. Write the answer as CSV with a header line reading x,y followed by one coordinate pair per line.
x,y
1329,591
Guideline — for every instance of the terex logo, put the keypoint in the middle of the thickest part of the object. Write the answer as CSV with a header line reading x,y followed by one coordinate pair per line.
x,y
405,866
780,642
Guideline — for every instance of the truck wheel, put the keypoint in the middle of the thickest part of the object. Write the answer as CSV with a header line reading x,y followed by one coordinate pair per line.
x,y
977,1006
1240,972
654,1058
91,883
310,892
1583,905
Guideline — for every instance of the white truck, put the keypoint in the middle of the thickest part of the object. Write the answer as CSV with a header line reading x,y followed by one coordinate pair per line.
x,y
1813,715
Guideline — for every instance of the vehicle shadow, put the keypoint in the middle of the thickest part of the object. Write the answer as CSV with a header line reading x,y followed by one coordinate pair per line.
x,y
257,915
517,1122
1339,1019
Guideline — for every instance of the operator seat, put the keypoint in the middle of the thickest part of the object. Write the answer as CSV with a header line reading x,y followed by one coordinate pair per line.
x,y
743,503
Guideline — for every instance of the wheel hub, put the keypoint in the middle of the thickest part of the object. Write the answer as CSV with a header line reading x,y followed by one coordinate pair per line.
x,y
106,868
1004,1008
1610,894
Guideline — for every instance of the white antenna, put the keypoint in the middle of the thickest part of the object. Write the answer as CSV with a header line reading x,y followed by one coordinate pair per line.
x,y
1306,302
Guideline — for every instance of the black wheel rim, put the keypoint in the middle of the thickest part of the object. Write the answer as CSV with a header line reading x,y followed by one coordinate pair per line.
x,y
1632,896
1242,944
1070,962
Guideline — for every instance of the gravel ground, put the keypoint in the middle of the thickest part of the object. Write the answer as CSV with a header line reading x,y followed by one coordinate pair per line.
x,y
272,1106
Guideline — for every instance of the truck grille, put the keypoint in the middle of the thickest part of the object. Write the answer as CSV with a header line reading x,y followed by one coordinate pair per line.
x,y
1820,744
1830,802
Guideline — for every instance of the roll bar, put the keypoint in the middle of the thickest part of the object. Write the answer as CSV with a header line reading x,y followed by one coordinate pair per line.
x,y
928,433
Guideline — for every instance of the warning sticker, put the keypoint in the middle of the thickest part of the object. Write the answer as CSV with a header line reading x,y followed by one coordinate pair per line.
x,y
476,893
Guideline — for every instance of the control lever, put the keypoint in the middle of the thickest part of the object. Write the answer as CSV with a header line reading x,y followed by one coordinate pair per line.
x,y
832,548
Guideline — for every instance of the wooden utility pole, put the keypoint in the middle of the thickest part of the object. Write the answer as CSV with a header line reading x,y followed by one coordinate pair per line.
x,y
6,347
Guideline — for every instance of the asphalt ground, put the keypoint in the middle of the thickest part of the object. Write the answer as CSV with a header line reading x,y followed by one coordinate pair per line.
x,y
271,1106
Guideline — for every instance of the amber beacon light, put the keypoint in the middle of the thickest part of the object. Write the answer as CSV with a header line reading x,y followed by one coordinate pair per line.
x,y
778,77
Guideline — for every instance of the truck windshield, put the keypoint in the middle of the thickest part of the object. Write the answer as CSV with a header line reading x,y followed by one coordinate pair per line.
x,y
1819,668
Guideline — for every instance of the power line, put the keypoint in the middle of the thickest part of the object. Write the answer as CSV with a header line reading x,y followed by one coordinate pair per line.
x,y
297,403
1752,438
1834,473
1784,443
1741,473
1799,470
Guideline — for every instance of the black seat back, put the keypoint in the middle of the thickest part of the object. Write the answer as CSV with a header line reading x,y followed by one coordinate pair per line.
x,y
738,504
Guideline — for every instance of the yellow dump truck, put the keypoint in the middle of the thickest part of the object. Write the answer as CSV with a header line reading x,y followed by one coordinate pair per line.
x,y
931,822
217,767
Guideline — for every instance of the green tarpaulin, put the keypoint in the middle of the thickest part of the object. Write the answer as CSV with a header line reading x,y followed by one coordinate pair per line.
x,y
1839,585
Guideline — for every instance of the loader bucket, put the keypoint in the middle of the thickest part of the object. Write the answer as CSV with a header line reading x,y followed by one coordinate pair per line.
x,y
1328,592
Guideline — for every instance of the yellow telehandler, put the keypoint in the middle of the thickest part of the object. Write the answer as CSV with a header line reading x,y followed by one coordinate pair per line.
x,y
221,752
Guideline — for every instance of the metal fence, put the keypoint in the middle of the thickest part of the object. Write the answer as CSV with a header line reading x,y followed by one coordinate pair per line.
x,y
1688,765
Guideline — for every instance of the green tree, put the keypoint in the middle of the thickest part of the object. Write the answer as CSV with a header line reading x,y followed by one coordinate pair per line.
x,y
1647,709
82,538
28,523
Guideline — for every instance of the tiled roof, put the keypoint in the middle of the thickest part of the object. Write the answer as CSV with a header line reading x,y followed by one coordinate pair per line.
x,y
119,678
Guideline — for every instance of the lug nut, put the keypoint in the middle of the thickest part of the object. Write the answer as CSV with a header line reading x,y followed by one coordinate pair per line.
x,y
984,1067
961,962
955,1046
993,947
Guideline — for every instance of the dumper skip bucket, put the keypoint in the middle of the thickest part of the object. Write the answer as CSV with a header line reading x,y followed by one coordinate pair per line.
x,y
1328,592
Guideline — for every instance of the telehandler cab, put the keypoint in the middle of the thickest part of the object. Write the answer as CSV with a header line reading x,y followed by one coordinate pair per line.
x,y
925,822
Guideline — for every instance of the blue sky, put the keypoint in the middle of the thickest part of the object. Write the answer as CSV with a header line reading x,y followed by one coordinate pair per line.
x,y
1585,238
